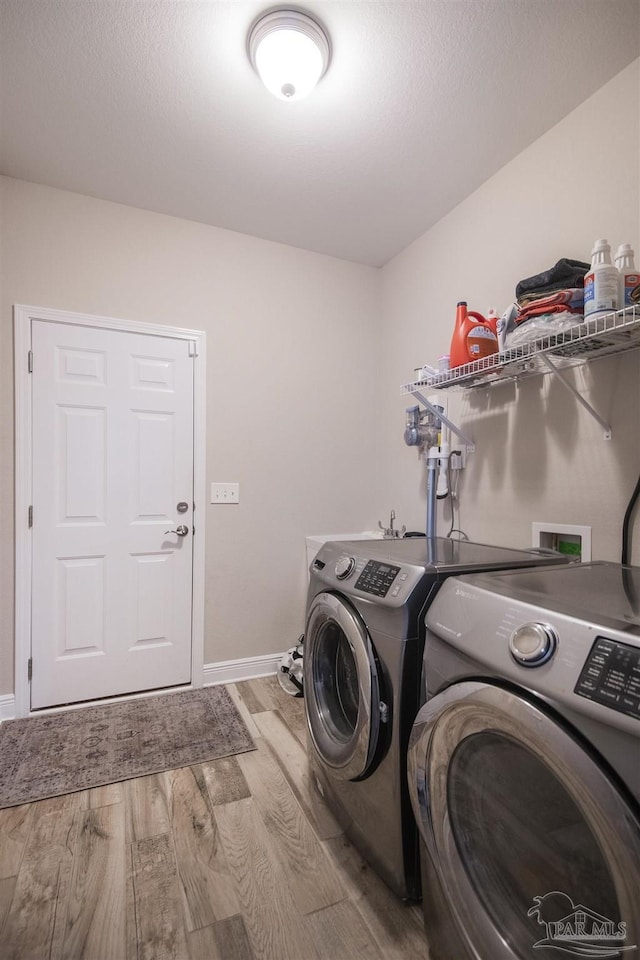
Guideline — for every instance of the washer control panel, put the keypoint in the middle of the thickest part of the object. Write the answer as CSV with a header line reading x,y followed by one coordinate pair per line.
x,y
377,578
611,676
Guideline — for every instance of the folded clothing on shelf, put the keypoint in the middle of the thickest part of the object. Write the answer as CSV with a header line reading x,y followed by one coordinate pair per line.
x,y
571,295
563,275
562,301
549,302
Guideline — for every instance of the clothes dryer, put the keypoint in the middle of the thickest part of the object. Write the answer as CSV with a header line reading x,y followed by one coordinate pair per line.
x,y
362,665
524,765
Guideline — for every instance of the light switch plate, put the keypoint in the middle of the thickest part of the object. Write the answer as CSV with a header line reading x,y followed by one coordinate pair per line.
x,y
225,493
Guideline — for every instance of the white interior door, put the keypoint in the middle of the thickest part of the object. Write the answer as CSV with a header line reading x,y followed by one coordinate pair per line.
x,y
112,462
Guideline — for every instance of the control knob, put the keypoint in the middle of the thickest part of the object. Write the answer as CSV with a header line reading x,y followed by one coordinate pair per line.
x,y
533,644
345,567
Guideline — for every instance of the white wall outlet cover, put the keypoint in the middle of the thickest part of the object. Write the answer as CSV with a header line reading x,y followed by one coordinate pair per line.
x,y
225,493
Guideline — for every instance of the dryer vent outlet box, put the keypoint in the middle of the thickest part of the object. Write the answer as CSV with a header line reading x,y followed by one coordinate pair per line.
x,y
572,540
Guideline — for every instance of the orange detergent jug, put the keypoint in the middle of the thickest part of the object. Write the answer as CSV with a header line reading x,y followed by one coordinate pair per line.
x,y
474,337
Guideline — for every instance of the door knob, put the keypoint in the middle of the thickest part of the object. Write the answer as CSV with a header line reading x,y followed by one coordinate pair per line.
x,y
182,530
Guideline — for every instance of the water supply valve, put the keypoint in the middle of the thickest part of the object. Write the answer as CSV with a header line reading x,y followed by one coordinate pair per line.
x,y
390,532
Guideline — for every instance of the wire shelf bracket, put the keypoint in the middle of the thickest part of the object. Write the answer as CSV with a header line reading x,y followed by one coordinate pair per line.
x,y
576,393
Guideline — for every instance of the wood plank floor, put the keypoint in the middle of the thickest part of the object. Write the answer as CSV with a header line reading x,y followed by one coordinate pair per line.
x,y
237,859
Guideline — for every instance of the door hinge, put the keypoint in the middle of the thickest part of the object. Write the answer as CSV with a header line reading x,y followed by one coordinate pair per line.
x,y
30,668
30,516
192,348
30,361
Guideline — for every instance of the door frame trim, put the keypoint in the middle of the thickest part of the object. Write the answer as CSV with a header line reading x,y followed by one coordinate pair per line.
x,y
23,421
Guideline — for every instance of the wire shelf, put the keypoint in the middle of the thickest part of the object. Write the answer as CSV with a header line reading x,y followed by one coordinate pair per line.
x,y
601,336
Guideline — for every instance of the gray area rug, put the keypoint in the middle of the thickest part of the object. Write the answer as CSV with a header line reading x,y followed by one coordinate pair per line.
x,y
62,753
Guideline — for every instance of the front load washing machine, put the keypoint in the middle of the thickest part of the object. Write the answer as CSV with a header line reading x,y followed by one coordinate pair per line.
x,y
362,664
524,765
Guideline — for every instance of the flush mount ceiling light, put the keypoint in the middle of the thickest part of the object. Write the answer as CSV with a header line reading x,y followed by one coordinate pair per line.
x,y
290,52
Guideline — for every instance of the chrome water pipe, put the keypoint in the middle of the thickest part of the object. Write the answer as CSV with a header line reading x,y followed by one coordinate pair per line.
x,y
433,456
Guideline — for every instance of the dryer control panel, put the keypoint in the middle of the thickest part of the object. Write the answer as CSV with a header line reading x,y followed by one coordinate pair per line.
x,y
377,578
611,676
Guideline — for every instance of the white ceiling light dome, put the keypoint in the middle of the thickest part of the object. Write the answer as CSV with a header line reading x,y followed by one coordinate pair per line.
x,y
290,51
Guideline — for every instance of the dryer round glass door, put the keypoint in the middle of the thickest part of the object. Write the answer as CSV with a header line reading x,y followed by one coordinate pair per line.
x,y
341,690
529,839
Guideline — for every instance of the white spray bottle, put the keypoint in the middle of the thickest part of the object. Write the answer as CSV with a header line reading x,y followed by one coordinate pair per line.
x,y
602,282
629,277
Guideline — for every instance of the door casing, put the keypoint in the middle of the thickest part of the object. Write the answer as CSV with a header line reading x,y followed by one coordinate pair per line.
x,y
22,316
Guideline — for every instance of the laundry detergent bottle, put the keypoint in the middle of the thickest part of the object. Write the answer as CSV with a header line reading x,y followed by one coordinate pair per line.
x,y
474,337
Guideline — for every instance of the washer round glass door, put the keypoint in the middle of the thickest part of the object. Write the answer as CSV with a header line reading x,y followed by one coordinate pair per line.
x,y
532,842
341,690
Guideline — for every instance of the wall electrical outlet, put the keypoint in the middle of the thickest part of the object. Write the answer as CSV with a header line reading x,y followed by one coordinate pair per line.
x,y
225,493
458,458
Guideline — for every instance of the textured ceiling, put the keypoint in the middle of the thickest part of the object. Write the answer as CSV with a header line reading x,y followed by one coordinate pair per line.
x,y
155,104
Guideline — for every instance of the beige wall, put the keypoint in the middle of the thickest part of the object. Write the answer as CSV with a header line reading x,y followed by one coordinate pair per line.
x,y
307,355
539,454
290,341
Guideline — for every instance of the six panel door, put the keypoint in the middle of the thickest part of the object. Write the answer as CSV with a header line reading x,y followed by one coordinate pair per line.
x,y
112,459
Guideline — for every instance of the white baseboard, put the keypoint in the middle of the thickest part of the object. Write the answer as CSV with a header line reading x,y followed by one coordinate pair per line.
x,y
225,671
232,671
7,706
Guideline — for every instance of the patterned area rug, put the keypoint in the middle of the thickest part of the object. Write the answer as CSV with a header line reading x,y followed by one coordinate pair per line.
x,y
55,754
